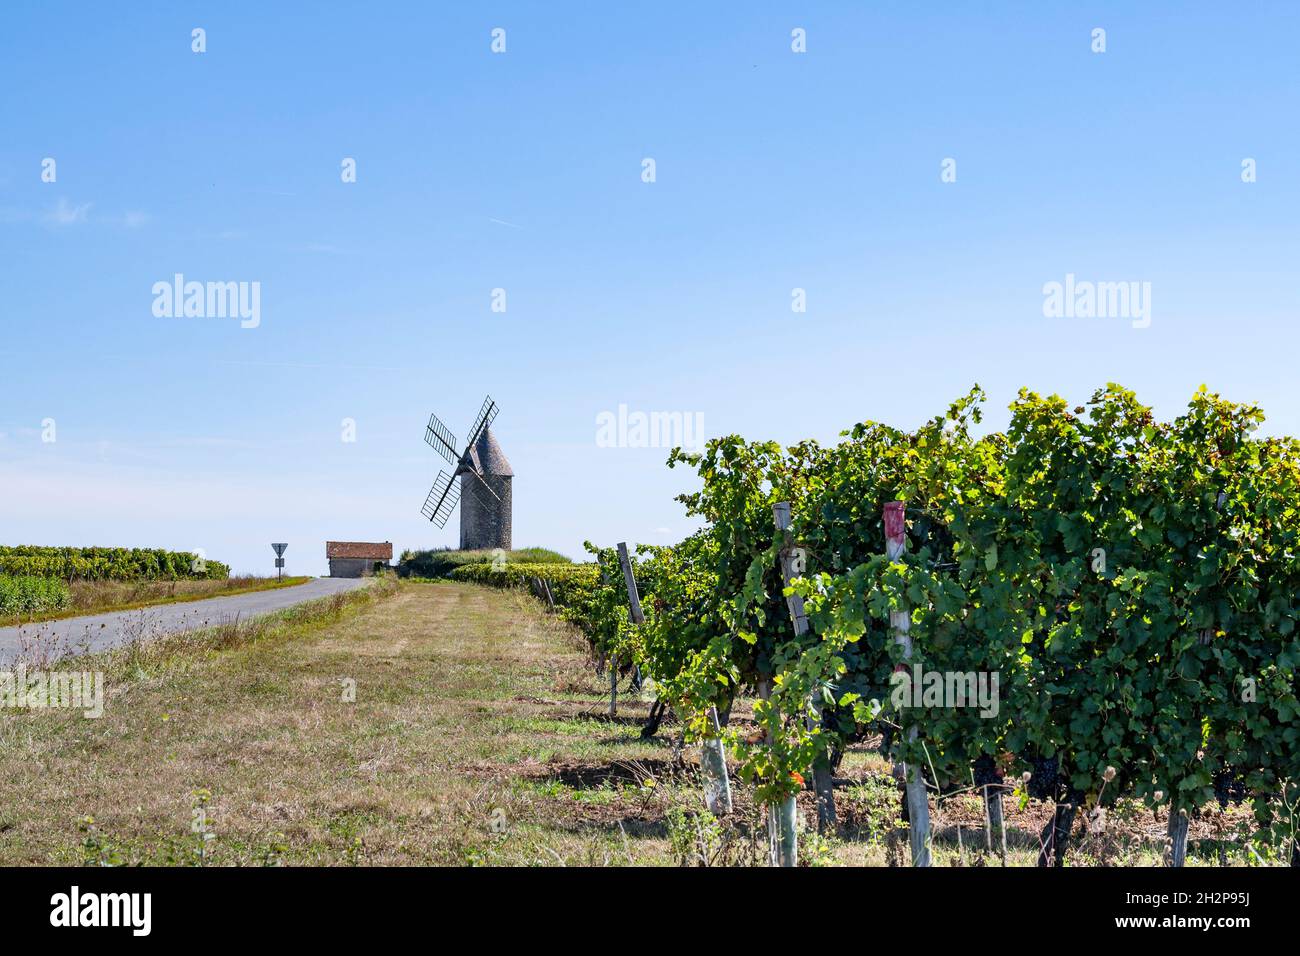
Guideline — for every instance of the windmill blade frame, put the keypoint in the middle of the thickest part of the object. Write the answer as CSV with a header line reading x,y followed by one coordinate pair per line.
x,y
486,415
439,437
441,501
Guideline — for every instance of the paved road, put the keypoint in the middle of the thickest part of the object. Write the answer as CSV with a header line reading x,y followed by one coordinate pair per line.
x,y
96,632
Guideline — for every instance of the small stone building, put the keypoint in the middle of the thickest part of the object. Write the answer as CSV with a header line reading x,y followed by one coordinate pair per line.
x,y
357,559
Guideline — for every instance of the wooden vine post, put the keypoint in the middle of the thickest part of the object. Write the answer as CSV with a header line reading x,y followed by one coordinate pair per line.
x,y
634,603
994,824
613,686
792,566
1177,835
900,621
612,661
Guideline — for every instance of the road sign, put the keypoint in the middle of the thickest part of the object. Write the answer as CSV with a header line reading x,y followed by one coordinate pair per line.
x,y
279,559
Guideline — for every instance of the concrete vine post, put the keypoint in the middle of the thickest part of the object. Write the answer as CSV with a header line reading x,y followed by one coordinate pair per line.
x,y
629,580
792,566
782,834
900,621
713,759
713,768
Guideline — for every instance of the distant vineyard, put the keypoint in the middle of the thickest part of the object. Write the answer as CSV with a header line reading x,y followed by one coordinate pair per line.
x,y
107,564
26,595
1133,584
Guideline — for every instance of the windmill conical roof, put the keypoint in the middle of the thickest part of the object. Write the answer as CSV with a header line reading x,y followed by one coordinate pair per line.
x,y
488,456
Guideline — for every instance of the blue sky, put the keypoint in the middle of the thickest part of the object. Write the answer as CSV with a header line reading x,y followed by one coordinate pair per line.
x,y
523,170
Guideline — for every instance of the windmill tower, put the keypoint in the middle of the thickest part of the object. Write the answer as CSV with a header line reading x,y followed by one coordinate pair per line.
x,y
483,470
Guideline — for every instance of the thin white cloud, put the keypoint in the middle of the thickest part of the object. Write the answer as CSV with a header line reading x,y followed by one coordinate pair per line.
x,y
71,491
331,366
134,219
66,214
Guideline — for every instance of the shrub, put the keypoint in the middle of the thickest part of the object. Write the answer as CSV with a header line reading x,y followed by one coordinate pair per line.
x,y
440,562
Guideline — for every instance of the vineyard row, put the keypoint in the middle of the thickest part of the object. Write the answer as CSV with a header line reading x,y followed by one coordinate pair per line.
x,y
1131,583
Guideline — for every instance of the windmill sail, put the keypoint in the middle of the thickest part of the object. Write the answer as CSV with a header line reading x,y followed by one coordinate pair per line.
x,y
486,414
442,499
441,439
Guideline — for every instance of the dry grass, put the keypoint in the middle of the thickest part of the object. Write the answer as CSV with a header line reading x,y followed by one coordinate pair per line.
x,y
451,720
478,735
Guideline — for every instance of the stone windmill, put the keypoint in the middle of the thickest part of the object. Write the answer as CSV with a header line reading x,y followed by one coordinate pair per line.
x,y
483,470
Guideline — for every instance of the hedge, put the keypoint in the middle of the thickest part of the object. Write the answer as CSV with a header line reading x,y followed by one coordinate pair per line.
x,y
439,563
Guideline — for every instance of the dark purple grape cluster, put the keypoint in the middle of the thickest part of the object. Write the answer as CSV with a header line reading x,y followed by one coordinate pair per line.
x,y
1229,788
985,771
1044,784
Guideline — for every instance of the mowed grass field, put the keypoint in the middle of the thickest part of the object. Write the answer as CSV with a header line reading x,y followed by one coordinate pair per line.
x,y
478,734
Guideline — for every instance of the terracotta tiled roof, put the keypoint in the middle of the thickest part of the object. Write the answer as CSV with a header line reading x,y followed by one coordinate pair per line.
x,y
359,549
